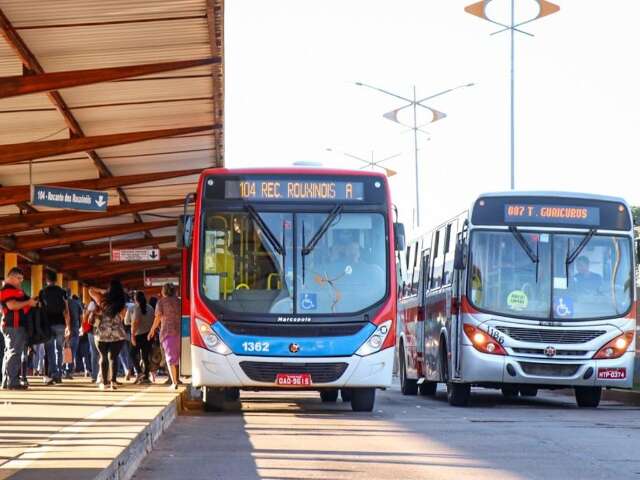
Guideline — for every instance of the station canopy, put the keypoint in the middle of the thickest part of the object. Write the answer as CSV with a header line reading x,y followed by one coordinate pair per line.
x,y
124,96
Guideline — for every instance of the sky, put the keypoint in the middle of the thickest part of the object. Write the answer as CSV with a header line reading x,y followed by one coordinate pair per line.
x,y
291,68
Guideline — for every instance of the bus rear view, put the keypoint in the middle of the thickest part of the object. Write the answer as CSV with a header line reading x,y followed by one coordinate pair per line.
x,y
291,284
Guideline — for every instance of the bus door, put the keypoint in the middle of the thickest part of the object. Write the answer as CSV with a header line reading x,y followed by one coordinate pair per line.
x,y
458,290
423,313
184,237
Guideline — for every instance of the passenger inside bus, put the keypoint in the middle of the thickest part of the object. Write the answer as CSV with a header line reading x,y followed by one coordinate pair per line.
x,y
586,281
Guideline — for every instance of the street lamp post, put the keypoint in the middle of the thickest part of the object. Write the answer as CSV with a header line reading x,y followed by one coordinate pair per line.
x,y
373,163
414,103
479,10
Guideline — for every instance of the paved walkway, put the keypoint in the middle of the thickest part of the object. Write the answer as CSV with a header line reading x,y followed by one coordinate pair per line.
x,y
73,430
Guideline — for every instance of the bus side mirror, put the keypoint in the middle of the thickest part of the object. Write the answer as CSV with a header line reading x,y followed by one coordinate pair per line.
x,y
398,233
459,260
184,234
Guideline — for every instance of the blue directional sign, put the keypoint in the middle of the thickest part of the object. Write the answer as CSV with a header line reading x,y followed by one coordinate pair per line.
x,y
69,198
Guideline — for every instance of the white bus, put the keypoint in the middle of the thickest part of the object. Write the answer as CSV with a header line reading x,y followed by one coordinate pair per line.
x,y
525,291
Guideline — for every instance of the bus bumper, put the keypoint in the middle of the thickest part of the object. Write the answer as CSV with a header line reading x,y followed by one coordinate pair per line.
x,y
213,370
481,368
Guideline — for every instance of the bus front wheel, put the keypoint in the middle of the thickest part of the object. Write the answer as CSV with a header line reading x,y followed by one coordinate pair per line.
x,y
213,399
345,394
588,397
232,394
428,389
329,396
407,385
363,399
458,394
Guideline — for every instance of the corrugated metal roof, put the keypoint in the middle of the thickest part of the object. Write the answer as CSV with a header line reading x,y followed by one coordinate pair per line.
x,y
67,35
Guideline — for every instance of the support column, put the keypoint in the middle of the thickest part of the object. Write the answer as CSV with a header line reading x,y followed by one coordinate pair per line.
x,y
86,299
74,287
10,261
36,279
60,280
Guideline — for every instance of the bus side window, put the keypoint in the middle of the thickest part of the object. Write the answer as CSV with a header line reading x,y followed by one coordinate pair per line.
x,y
435,276
415,268
424,271
449,251
406,280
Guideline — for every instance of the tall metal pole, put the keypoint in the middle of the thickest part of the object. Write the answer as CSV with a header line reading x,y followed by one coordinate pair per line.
x,y
478,9
513,103
415,145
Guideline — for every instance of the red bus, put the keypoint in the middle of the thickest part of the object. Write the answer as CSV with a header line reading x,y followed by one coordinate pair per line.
x,y
290,283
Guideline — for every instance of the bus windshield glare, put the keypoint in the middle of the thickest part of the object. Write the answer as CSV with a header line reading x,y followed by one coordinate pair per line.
x,y
504,280
260,265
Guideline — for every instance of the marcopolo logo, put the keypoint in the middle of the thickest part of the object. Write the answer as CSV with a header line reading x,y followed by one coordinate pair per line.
x,y
294,320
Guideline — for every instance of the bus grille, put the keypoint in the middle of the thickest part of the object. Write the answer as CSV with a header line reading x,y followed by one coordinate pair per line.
x,y
267,371
261,329
549,369
539,335
559,353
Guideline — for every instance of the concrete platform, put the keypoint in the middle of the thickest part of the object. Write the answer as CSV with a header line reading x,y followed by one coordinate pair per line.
x,y
74,431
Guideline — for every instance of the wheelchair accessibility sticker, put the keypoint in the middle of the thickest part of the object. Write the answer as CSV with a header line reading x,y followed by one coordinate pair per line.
x,y
563,306
309,301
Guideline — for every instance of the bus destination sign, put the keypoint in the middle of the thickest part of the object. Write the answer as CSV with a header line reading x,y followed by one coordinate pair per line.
x,y
549,214
265,190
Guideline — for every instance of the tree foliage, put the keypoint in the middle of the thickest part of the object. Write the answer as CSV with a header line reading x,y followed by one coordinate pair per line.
x,y
635,211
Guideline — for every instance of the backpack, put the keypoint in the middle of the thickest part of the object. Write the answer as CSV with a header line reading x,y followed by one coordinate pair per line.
x,y
53,298
38,328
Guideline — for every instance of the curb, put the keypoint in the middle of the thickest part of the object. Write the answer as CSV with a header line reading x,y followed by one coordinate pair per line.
x,y
125,465
628,397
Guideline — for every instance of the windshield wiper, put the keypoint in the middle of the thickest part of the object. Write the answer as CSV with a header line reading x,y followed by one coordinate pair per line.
x,y
275,243
524,244
322,230
578,250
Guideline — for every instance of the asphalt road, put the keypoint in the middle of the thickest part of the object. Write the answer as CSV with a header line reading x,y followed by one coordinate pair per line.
x,y
275,435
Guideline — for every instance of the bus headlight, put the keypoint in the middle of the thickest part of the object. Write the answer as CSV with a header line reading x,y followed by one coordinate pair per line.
x,y
212,341
616,347
376,340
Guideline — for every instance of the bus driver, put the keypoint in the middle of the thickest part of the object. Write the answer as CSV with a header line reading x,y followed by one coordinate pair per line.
x,y
585,280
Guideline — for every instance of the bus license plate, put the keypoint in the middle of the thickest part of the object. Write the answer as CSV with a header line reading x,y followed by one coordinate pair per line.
x,y
293,379
612,373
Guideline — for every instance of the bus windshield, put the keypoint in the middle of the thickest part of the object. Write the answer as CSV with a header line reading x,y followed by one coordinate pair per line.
x,y
505,280
261,266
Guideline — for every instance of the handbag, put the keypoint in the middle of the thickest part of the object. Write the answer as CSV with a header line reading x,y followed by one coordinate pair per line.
x,y
68,353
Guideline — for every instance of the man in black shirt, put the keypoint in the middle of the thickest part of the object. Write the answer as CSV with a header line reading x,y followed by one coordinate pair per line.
x,y
54,301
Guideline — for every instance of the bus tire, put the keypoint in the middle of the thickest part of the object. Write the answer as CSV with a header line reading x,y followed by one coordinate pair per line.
x,y
458,394
345,394
509,391
329,396
428,389
363,399
213,399
588,397
407,385
232,394
527,391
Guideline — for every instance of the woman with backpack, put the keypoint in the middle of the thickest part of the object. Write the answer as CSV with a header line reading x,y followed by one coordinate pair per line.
x,y
140,317
109,329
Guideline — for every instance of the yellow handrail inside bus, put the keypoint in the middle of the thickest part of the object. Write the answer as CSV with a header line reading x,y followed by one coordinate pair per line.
x,y
278,283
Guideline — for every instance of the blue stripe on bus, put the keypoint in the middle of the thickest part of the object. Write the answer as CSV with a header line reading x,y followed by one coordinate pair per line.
x,y
185,326
280,346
